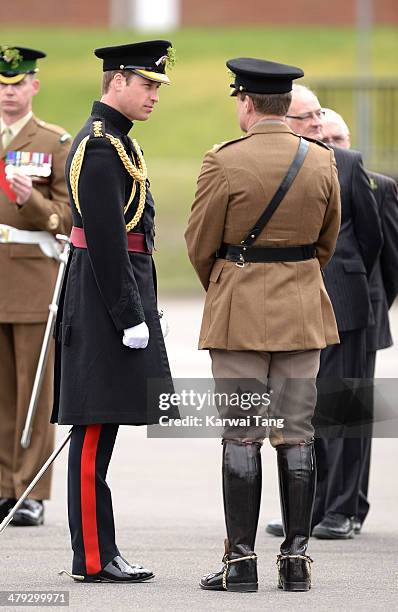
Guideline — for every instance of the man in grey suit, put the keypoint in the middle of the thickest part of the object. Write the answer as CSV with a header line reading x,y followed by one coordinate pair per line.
x,y
346,280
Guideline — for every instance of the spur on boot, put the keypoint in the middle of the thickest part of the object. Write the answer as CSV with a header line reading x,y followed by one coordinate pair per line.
x,y
294,572
238,574
297,480
117,570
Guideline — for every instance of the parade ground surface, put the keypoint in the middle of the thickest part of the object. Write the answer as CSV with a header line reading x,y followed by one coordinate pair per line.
x,y
168,511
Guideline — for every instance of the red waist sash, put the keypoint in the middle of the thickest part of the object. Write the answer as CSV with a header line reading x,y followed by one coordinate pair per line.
x,y
135,241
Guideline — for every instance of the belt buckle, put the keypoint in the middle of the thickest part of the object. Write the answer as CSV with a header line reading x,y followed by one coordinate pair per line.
x,y
241,262
4,234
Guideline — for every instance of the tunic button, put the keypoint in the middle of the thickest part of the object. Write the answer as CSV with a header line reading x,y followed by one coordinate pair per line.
x,y
53,221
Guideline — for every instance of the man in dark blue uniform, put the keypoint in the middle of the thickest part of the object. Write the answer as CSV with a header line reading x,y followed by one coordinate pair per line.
x,y
109,339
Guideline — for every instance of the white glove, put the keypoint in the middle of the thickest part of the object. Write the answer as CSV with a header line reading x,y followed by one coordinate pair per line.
x,y
164,326
136,337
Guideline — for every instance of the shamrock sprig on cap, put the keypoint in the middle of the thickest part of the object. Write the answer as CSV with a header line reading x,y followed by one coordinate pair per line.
x,y
171,58
373,184
11,56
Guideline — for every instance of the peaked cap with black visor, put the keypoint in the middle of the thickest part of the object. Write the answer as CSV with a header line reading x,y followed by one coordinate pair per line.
x,y
262,76
16,63
147,59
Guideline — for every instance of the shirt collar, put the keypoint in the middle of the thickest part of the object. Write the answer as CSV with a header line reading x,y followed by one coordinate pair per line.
x,y
118,120
269,122
17,126
269,127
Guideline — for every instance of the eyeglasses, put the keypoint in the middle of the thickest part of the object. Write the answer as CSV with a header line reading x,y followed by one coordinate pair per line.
x,y
334,139
318,114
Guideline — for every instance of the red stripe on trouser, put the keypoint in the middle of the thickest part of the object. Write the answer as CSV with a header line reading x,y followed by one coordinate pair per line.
x,y
88,499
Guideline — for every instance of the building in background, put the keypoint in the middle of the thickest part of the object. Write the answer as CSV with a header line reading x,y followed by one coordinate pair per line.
x,y
170,14
369,104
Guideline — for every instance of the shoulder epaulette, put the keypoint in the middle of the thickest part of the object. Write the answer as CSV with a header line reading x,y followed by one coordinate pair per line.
x,y
55,129
97,129
65,137
221,145
318,142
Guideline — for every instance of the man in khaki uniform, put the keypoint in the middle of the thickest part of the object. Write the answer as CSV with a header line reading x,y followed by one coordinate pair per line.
x,y
33,208
267,313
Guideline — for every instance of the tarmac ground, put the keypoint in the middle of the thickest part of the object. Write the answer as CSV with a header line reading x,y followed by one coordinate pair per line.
x,y
168,512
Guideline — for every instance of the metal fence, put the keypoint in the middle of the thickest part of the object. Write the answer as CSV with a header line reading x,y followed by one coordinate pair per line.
x,y
370,109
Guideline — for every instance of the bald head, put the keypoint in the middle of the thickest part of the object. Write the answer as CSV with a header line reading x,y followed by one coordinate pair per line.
x,y
305,113
335,130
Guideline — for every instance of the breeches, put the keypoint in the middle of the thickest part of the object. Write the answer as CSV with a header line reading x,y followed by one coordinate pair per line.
x,y
290,379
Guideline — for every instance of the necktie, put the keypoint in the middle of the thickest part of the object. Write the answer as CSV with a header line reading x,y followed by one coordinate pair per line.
x,y
6,137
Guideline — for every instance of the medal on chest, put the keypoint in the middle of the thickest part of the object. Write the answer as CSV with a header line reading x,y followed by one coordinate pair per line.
x,y
30,163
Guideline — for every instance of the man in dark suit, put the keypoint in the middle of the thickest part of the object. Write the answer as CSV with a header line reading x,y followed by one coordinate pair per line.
x,y
346,281
383,284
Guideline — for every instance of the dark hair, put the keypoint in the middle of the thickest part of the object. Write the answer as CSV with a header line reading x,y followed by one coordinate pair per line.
x,y
269,104
108,77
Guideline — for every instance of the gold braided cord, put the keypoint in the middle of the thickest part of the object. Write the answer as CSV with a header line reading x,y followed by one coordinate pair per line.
x,y
131,198
139,174
75,169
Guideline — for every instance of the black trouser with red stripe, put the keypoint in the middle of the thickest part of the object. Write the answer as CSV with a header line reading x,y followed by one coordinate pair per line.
x,y
90,510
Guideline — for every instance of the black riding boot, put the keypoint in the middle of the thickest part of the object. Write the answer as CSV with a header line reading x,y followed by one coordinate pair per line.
x,y
297,481
242,496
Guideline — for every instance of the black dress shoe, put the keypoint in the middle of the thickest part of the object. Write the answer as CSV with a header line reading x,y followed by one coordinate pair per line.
x,y
294,572
334,527
30,514
357,525
117,570
275,528
6,503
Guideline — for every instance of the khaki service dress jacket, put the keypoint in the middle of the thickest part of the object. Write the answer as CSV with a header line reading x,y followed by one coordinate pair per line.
x,y
27,275
280,306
